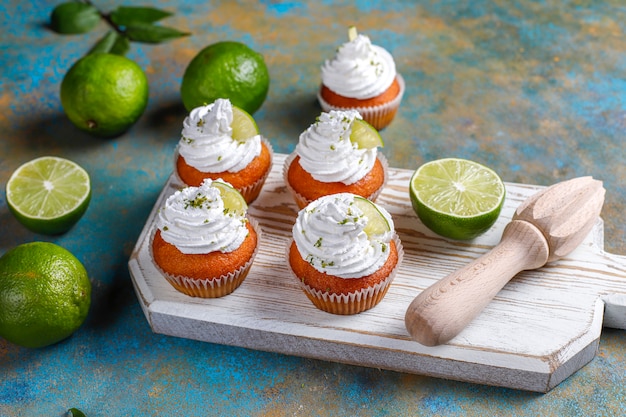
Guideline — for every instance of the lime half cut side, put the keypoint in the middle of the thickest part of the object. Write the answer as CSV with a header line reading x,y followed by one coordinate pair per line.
x,y
49,195
233,200
243,125
457,198
377,223
365,135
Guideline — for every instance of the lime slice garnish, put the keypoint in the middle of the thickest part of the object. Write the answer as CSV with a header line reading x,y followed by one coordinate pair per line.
x,y
352,33
233,200
244,127
377,223
457,198
365,135
48,194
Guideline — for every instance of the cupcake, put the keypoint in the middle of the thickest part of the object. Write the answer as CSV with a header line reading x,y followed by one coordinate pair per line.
x,y
363,77
204,243
211,148
328,160
340,254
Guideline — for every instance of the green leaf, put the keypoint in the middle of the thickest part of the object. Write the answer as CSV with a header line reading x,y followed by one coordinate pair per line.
x,y
112,43
121,46
73,18
127,16
75,412
148,33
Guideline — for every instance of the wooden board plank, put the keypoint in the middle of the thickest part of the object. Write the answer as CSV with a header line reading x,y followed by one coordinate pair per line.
x,y
542,327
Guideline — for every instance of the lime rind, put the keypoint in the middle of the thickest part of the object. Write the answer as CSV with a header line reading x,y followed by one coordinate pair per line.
x,y
244,126
233,200
365,135
377,222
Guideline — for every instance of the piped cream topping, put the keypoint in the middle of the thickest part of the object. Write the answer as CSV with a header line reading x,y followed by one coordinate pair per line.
x,y
195,220
327,153
206,140
329,234
359,69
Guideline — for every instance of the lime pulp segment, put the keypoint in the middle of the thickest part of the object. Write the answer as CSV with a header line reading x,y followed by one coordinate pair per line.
x,y
365,135
377,223
243,125
233,200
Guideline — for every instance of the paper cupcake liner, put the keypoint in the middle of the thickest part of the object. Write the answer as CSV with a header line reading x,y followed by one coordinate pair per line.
x,y
252,191
353,302
378,116
249,192
302,201
213,287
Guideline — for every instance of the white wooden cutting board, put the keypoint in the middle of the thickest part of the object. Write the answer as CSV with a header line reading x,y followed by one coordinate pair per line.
x,y
541,328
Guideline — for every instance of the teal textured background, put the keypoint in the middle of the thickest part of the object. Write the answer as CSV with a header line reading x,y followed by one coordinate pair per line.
x,y
534,89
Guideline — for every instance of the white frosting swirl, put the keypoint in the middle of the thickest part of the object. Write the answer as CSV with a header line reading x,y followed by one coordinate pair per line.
x,y
206,140
194,220
327,153
329,235
359,69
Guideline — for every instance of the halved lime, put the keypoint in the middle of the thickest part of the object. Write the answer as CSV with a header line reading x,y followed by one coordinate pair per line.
x,y
377,223
457,198
365,135
75,412
244,127
233,200
49,194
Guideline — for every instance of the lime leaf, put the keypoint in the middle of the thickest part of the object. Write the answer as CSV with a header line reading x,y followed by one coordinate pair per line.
x,y
75,412
243,125
233,200
377,223
74,18
149,33
127,16
112,43
365,135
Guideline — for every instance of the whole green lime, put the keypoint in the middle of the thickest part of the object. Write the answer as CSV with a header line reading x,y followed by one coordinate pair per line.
x,y
229,70
45,294
104,94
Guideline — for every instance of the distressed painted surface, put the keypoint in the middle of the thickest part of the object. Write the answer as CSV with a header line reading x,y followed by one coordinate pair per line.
x,y
534,89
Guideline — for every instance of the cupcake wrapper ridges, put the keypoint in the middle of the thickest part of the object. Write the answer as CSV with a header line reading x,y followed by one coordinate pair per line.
x,y
354,302
214,287
302,201
378,116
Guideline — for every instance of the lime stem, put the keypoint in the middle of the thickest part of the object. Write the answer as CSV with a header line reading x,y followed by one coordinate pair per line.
x,y
107,18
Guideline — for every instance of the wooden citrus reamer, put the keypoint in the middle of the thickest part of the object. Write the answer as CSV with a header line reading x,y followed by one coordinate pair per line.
x,y
547,226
